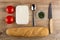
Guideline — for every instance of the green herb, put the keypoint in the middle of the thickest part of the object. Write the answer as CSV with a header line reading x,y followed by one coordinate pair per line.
x,y
41,14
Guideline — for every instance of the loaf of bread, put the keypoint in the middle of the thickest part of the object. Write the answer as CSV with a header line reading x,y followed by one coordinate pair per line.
x,y
28,32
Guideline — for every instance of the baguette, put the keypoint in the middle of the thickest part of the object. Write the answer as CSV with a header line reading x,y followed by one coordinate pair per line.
x,y
28,32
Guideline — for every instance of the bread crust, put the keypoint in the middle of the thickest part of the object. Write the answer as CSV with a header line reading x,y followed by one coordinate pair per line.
x,y
28,32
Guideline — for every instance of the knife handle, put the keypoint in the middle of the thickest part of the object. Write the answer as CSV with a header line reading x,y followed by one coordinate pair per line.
x,y
51,26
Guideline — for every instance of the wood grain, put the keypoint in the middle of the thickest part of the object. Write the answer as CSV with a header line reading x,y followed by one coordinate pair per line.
x,y
41,5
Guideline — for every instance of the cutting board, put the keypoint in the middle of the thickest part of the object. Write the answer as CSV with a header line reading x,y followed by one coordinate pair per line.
x,y
42,5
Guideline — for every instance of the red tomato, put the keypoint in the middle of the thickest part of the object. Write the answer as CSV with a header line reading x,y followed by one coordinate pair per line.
x,y
9,19
10,9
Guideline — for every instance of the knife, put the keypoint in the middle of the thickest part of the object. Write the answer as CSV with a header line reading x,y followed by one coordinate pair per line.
x,y
50,18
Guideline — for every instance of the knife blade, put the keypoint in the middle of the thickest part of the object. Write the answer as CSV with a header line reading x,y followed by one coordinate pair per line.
x,y
50,11
50,18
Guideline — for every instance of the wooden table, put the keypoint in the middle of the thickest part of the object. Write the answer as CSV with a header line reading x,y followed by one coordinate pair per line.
x,y
42,5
